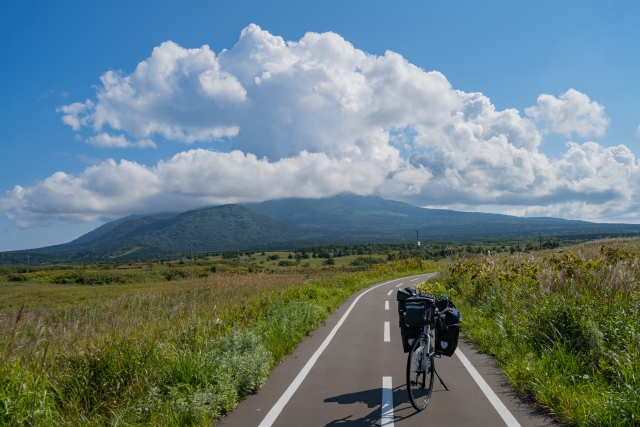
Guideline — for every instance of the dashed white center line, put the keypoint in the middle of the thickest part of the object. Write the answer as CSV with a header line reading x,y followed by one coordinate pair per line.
x,y
397,286
390,292
387,332
271,416
386,418
386,305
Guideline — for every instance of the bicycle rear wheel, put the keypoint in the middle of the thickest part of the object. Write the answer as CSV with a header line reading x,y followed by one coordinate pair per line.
x,y
419,374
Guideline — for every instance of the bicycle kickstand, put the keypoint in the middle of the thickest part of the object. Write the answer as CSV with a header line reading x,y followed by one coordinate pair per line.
x,y
441,382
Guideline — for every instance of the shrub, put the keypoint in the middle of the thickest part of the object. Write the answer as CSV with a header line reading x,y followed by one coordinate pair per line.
x,y
562,325
174,274
363,260
285,263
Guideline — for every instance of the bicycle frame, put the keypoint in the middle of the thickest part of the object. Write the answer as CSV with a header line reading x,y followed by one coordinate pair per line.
x,y
426,354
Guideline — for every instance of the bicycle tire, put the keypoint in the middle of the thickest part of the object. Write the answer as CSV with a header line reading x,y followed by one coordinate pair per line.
x,y
419,382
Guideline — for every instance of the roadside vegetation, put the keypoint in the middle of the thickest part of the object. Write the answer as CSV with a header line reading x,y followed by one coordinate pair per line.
x,y
563,325
433,250
177,343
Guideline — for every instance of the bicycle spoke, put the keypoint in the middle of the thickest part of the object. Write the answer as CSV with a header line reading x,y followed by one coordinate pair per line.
x,y
419,374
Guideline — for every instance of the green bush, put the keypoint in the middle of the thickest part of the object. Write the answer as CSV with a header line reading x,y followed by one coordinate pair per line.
x,y
363,260
285,263
562,325
196,388
175,274
88,277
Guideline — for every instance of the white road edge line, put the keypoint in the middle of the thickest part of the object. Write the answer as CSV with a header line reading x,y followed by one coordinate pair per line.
x,y
271,416
390,292
386,305
508,418
386,418
387,332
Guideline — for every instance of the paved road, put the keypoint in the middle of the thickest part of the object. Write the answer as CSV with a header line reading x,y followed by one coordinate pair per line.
x,y
355,377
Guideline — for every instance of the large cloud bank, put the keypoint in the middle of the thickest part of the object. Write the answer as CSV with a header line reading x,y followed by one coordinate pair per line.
x,y
318,117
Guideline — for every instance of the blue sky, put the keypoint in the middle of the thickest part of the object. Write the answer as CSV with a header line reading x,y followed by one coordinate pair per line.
x,y
54,55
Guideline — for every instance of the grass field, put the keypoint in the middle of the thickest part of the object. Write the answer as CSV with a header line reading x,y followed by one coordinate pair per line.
x,y
563,325
58,287
178,343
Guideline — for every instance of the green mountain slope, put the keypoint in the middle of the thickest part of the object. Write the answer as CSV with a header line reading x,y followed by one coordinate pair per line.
x,y
370,218
105,228
278,224
220,228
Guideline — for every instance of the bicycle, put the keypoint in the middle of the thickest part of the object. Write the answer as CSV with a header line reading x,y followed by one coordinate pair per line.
x,y
420,365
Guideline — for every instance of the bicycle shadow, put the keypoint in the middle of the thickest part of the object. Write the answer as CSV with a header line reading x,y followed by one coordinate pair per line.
x,y
373,399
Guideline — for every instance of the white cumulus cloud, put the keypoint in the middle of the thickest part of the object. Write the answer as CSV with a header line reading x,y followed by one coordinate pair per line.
x,y
573,112
118,141
317,117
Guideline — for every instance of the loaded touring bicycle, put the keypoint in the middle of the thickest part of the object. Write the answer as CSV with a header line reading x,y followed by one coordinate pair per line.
x,y
430,327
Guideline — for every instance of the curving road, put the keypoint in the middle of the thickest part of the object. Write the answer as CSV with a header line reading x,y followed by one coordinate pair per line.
x,y
351,372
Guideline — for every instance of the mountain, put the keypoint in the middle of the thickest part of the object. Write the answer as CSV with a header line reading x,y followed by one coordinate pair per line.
x,y
93,235
279,224
370,218
222,227
219,228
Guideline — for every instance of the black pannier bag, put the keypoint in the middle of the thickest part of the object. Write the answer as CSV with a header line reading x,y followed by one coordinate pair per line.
x,y
417,303
447,339
447,334
408,336
419,311
453,316
401,296
408,333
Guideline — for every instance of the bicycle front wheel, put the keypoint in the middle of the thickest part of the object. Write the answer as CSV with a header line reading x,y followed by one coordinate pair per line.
x,y
420,374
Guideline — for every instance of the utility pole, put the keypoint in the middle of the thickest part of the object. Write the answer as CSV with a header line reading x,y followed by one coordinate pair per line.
x,y
2,263
540,240
190,252
28,263
419,247
93,249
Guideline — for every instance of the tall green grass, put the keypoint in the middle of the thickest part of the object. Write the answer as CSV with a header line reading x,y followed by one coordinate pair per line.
x,y
176,357
563,325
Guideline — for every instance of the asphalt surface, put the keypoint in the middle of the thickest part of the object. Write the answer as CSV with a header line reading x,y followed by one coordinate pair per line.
x,y
358,378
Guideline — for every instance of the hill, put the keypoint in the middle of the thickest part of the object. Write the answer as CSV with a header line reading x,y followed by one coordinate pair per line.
x,y
219,228
223,228
93,235
370,218
279,224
